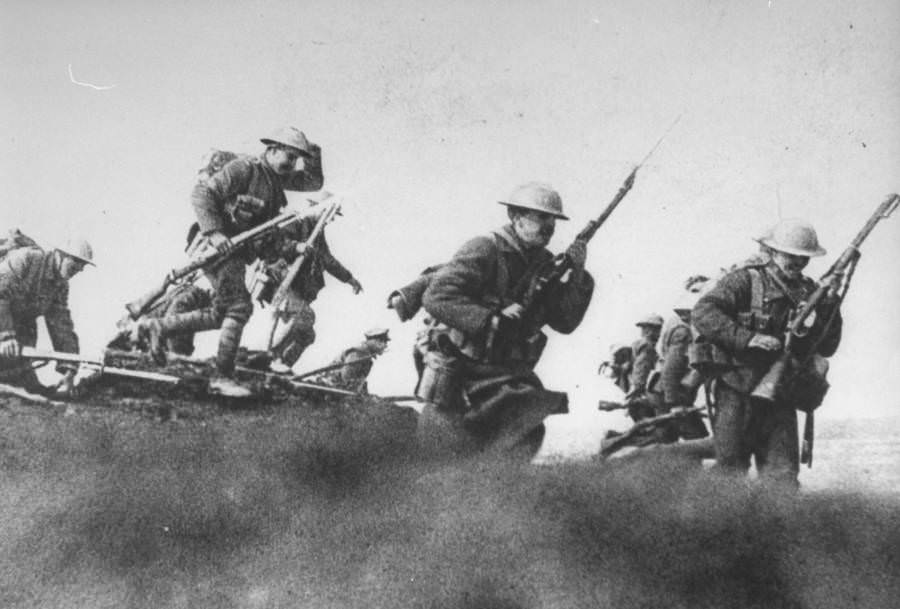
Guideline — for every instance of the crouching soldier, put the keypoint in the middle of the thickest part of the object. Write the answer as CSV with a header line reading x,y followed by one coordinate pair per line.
x,y
675,384
745,317
35,283
183,298
479,384
644,360
353,365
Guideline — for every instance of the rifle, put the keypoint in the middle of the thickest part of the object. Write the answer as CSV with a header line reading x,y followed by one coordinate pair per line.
x,y
551,273
329,367
771,386
617,442
35,354
143,304
281,294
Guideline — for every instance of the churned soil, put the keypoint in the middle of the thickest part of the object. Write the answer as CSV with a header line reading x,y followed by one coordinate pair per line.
x,y
145,495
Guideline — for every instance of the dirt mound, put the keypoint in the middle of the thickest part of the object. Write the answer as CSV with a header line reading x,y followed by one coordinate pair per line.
x,y
300,502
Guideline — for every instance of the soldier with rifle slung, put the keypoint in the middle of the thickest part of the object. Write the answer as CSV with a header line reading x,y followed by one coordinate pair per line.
x,y
745,317
479,385
244,194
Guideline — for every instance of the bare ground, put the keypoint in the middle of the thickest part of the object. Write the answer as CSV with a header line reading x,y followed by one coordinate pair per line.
x,y
296,501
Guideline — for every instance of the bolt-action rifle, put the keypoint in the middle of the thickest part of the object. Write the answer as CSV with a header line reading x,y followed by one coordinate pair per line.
x,y
74,358
143,304
552,273
837,280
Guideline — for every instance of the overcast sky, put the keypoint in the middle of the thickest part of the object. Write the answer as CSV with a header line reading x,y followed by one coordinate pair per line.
x,y
428,112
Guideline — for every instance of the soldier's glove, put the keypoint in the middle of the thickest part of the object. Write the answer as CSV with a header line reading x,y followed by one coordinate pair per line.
x,y
764,342
302,248
10,348
356,285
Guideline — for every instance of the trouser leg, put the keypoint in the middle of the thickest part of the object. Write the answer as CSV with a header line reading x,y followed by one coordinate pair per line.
x,y
233,307
731,428
778,451
294,331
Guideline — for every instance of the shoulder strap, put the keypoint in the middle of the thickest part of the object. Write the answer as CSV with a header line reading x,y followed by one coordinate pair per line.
x,y
501,287
757,291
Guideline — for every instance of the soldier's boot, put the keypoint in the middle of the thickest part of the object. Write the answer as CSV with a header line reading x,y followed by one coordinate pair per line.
x,y
229,341
290,346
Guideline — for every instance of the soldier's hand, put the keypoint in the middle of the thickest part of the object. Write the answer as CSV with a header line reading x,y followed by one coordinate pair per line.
x,y
10,348
301,248
356,285
577,253
833,281
219,241
513,311
764,342
66,386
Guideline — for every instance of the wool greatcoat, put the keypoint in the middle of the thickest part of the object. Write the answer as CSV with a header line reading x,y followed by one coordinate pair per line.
x,y
745,426
502,401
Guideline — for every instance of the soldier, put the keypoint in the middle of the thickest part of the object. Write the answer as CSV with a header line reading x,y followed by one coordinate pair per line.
x,y
35,283
355,363
244,193
644,358
479,384
294,331
182,298
744,318
617,366
676,384
406,302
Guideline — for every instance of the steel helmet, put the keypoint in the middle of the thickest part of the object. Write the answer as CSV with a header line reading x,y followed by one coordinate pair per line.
x,y
289,136
79,249
537,196
651,320
794,236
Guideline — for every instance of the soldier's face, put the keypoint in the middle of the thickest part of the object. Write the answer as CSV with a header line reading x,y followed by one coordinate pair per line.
x,y
535,228
790,264
283,160
69,267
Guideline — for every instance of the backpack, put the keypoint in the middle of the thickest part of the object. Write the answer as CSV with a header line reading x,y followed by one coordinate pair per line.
x,y
14,240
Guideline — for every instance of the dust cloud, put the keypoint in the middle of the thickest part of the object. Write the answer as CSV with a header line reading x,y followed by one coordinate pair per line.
x,y
334,507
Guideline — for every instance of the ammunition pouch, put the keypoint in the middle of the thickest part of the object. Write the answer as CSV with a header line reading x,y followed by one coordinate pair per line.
x,y
757,322
441,382
245,210
806,388
708,359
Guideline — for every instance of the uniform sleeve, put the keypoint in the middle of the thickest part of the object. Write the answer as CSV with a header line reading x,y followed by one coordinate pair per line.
x,y
411,296
352,374
209,197
715,314
14,271
59,323
569,302
330,263
675,366
453,295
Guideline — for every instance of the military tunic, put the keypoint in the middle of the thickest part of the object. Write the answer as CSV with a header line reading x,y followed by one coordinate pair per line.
x,y
305,287
352,376
745,427
503,402
30,287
